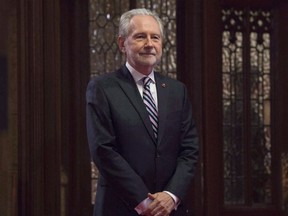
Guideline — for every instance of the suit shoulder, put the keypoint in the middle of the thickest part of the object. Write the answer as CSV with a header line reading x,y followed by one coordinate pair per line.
x,y
103,77
98,86
170,81
102,80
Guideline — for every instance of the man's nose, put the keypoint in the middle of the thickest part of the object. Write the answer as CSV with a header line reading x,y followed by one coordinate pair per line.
x,y
148,42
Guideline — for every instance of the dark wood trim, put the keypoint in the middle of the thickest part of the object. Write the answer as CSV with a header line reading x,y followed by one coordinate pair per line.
x,y
249,3
253,212
53,74
280,113
39,123
189,71
75,76
282,75
212,96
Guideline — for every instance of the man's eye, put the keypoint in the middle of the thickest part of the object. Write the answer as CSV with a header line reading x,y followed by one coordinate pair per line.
x,y
156,37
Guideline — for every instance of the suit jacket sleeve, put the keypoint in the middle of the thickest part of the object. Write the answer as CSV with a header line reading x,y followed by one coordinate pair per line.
x,y
188,152
103,147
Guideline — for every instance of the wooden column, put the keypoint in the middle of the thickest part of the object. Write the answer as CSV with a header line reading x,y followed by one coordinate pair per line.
x,y
54,161
39,107
190,71
75,157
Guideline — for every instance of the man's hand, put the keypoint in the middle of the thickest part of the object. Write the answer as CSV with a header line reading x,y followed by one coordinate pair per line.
x,y
162,205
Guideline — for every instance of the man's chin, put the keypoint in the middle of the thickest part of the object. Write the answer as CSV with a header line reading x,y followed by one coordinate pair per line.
x,y
149,62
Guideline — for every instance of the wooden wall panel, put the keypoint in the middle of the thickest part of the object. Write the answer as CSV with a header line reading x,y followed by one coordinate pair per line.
x,y
39,121
189,71
75,157
54,162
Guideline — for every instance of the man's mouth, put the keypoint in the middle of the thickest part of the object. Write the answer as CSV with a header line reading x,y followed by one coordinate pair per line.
x,y
148,54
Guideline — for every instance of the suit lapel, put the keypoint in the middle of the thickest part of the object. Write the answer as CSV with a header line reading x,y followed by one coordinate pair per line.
x,y
129,87
162,93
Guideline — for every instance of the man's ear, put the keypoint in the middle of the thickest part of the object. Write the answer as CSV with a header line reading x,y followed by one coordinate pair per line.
x,y
121,44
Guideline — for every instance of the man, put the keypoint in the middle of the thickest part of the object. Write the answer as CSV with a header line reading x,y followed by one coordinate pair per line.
x,y
141,134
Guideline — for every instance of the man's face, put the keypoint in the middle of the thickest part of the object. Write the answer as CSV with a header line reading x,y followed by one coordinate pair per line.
x,y
143,45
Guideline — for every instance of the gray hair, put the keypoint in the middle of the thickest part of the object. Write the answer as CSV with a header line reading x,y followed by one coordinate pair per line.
x,y
124,25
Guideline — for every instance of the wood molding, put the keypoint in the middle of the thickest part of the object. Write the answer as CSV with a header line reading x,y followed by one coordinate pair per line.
x,y
190,71
212,97
75,70
39,122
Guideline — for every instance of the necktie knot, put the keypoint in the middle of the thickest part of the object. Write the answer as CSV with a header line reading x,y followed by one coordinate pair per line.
x,y
147,81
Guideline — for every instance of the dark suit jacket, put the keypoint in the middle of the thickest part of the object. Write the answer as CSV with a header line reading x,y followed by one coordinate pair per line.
x,y
122,145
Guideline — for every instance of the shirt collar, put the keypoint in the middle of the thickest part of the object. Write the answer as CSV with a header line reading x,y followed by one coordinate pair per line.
x,y
137,76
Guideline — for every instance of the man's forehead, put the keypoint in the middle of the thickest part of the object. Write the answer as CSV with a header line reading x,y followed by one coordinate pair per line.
x,y
143,19
145,22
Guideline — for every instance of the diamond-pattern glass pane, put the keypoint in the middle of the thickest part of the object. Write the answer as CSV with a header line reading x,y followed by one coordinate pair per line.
x,y
246,100
103,29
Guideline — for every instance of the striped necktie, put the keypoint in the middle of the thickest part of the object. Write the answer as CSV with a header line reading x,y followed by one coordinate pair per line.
x,y
150,105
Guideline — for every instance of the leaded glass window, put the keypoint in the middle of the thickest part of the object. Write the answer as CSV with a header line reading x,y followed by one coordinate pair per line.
x,y
105,56
104,17
246,100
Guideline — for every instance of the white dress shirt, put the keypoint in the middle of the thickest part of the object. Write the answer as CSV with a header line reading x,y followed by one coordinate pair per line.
x,y
138,78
